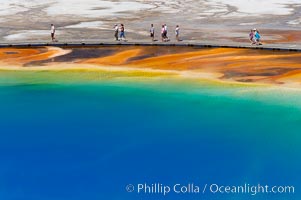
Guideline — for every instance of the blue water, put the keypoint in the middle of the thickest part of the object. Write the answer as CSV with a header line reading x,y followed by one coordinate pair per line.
x,y
89,141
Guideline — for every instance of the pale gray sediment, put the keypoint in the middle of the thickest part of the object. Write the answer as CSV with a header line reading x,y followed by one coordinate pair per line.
x,y
200,21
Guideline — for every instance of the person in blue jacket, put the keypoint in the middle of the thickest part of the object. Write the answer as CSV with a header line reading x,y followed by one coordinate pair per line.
x,y
257,37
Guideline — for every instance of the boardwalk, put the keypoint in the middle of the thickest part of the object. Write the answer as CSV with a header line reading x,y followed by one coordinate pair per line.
x,y
201,44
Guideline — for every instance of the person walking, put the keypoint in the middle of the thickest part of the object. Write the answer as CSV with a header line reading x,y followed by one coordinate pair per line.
x,y
165,33
52,32
116,29
152,32
122,34
252,37
257,37
177,32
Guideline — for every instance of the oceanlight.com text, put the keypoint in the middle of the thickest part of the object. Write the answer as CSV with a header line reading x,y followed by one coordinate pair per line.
x,y
194,189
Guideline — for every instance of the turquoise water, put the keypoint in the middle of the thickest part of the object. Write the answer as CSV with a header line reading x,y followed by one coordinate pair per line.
x,y
89,141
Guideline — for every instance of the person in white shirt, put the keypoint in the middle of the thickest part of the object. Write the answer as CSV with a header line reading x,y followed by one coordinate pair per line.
x,y
152,32
52,31
177,32
165,32
116,30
